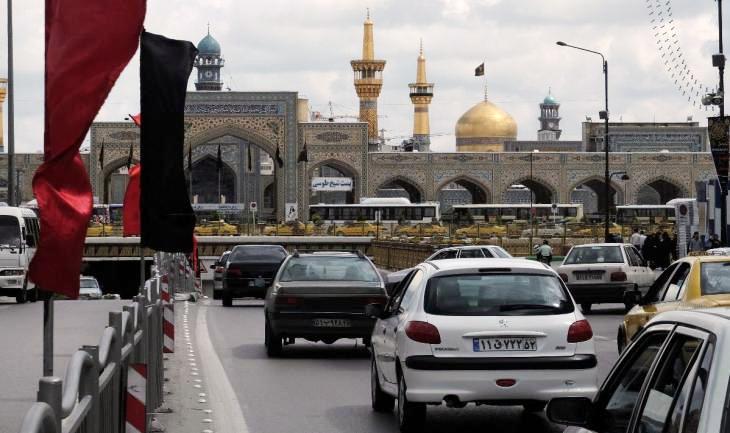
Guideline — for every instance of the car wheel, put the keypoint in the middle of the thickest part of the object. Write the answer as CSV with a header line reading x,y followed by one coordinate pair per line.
x,y
586,307
21,297
411,416
381,401
271,341
621,339
534,406
227,300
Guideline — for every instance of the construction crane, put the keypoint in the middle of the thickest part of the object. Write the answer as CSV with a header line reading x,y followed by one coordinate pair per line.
x,y
317,116
407,145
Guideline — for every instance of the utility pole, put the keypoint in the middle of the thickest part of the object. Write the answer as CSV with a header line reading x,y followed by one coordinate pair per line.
x,y
11,111
718,60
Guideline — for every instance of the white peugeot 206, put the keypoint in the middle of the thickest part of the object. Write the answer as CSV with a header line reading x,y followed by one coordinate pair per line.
x,y
484,331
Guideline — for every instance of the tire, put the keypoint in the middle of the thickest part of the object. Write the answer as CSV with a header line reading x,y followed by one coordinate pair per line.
x,y
586,307
227,300
217,294
271,341
33,296
411,416
21,297
381,402
534,406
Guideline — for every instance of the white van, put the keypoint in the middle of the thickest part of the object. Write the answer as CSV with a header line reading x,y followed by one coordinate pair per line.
x,y
19,233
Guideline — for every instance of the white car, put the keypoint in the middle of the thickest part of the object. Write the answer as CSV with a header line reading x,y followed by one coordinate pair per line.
x,y
484,331
602,273
673,377
470,252
89,288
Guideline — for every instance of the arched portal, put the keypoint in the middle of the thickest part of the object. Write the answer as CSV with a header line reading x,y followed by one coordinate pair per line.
x,y
659,191
462,191
401,187
115,177
333,169
521,191
592,194
207,183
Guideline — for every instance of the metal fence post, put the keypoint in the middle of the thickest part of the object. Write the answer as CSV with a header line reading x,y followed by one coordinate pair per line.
x,y
50,391
89,386
115,356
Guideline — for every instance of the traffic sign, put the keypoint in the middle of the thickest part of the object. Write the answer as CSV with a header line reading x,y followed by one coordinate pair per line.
x,y
253,205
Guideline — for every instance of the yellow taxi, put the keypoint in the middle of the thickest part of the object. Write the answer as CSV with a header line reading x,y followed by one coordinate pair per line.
x,y
481,230
215,228
688,283
421,229
293,228
360,229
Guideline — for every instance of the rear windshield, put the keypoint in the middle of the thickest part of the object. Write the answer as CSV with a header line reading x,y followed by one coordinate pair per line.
x,y
329,269
715,278
9,231
88,284
496,295
257,253
597,254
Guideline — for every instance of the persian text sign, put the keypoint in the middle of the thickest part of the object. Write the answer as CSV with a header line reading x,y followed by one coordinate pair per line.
x,y
718,129
332,184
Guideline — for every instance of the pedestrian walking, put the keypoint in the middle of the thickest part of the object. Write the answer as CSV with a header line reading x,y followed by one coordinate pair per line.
x,y
715,241
664,251
695,244
642,239
635,238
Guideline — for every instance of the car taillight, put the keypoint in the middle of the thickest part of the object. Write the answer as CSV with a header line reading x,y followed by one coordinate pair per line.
x,y
423,332
564,277
506,383
287,300
580,331
233,271
618,276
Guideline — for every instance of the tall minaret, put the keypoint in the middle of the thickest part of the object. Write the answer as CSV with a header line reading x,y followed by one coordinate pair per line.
x,y
421,95
549,119
368,82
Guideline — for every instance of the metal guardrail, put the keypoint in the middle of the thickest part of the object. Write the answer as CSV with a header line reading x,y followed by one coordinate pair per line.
x,y
92,396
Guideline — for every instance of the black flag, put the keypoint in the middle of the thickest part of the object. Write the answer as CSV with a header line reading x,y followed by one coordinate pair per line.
x,y
101,155
479,71
303,155
250,158
277,157
167,219
219,159
131,156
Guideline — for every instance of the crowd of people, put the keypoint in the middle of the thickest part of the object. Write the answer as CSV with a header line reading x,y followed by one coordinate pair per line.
x,y
659,249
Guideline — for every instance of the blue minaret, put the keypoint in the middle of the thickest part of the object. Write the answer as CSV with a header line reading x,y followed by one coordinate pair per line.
x,y
209,63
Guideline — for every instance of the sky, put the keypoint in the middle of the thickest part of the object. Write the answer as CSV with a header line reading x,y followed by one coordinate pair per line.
x,y
306,46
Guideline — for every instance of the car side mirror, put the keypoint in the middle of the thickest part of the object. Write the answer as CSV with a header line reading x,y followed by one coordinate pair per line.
x,y
213,267
632,297
375,311
573,411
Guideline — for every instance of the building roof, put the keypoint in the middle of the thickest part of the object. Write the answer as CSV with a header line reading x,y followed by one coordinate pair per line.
x,y
486,120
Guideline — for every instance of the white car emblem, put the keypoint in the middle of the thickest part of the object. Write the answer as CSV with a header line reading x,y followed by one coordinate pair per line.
x,y
503,323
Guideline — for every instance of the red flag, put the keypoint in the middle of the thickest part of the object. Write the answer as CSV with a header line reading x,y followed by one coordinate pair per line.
x,y
81,68
130,209
137,119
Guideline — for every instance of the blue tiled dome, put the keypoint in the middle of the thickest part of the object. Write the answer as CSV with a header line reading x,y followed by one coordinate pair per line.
x,y
208,45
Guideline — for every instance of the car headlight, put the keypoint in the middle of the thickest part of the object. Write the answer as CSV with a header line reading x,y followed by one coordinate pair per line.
x,y
11,272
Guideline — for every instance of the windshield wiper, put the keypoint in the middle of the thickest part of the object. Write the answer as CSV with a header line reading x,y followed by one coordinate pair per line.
x,y
512,307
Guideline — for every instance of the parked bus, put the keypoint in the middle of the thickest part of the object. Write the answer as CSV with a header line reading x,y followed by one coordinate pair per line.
x,y
502,213
383,210
644,214
19,234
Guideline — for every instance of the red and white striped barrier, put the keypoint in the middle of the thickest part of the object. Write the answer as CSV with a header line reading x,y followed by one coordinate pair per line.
x,y
168,317
136,417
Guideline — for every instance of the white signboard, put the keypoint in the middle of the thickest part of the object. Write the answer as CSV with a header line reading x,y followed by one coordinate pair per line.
x,y
331,184
291,212
253,206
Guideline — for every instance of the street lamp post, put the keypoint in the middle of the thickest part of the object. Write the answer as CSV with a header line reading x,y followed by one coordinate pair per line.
x,y
603,115
11,111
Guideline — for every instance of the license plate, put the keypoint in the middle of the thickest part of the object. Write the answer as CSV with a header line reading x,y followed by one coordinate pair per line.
x,y
331,323
505,344
588,275
13,282
259,282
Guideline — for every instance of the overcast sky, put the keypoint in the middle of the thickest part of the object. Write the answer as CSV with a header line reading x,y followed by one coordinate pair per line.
x,y
306,46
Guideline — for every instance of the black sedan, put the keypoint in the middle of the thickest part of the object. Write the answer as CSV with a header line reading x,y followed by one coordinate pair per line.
x,y
322,297
250,270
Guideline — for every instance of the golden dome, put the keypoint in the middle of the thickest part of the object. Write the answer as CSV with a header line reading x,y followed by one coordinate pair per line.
x,y
484,128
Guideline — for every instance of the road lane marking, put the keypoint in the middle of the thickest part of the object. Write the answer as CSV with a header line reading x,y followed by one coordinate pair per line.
x,y
226,408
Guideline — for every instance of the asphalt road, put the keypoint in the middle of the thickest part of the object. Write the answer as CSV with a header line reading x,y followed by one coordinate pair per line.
x,y
21,348
318,388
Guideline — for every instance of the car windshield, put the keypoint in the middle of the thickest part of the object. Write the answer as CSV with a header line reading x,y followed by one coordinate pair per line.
x,y
715,278
496,295
329,268
9,231
594,254
257,253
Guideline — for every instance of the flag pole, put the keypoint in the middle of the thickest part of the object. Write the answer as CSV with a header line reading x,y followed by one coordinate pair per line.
x,y
12,200
48,335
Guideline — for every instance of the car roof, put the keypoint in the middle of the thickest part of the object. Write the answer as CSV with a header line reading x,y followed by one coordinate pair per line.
x,y
465,247
716,320
705,259
457,264
603,244
329,254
